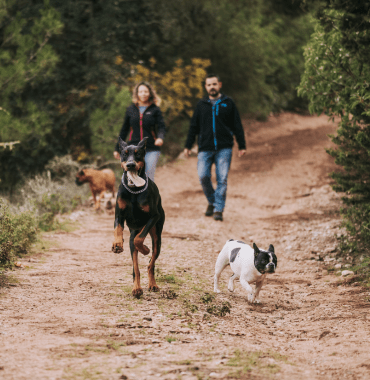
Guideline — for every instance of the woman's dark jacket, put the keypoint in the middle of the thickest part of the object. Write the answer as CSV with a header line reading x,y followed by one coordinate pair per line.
x,y
150,125
216,125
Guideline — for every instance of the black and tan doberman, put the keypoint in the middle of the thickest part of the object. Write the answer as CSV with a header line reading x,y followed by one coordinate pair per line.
x,y
139,205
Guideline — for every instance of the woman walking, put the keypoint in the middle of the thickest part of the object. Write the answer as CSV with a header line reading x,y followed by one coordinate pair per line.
x,y
144,119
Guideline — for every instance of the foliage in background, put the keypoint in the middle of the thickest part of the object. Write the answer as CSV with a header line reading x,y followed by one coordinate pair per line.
x,y
337,82
179,88
256,46
106,121
89,46
25,56
18,231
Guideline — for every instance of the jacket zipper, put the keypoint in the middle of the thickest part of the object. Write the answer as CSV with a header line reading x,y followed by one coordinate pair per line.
x,y
141,126
215,111
141,122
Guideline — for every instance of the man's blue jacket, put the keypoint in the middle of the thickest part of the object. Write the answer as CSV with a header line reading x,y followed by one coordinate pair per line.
x,y
216,125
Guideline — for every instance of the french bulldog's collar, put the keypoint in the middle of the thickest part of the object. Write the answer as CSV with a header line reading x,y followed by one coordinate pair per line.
x,y
132,191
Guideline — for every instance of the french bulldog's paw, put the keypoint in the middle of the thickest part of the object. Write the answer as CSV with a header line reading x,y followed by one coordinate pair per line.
x,y
217,291
257,300
230,289
251,297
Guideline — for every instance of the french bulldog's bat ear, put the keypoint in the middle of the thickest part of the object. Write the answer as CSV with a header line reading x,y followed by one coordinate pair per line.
x,y
122,144
256,250
271,248
142,143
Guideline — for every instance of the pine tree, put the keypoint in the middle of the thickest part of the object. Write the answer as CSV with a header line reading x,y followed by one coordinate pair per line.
x,y
25,56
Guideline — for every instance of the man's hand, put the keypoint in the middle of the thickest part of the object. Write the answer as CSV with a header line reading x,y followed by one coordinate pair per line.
x,y
158,142
186,152
241,152
116,155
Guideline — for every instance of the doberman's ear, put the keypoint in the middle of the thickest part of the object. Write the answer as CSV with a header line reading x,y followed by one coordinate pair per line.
x,y
271,248
122,144
142,143
256,250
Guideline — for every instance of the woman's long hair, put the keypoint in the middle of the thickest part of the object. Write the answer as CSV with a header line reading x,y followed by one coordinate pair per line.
x,y
153,97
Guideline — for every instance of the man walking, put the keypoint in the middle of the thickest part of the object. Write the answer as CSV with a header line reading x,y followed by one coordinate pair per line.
x,y
216,120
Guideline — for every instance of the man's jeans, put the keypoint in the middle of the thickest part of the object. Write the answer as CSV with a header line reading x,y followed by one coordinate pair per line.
x,y
222,159
151,159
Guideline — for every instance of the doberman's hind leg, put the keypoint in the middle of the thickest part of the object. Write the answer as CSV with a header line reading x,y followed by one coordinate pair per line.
x,y
139,240
139,243
156,244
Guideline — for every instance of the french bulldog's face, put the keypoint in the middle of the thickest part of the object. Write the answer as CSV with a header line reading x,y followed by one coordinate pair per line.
x,y
132,157
265,261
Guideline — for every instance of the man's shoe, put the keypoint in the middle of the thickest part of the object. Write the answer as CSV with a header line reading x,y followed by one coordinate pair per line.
x,y
217,216
209,211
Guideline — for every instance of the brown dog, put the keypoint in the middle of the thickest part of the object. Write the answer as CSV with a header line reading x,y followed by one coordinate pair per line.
x,y
99,180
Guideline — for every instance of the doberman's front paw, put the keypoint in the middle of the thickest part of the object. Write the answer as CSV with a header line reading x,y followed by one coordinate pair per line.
x,y
153,288
137,292
117,247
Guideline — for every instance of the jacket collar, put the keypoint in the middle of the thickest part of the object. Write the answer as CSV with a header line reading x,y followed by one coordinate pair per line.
x,y
207,100
136,105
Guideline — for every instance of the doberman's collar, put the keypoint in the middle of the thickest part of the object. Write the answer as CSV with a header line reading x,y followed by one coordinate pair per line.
x,y
138,191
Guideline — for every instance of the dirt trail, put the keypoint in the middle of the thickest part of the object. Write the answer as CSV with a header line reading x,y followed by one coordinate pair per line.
x,y
72,316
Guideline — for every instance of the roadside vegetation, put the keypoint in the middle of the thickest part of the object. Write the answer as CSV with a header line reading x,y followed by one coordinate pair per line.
x,y
35,206
336,81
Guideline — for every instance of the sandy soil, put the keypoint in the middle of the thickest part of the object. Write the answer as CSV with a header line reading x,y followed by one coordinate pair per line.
x,y
72,316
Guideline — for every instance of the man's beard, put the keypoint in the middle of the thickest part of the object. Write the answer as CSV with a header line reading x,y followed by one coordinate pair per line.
x,y
214,93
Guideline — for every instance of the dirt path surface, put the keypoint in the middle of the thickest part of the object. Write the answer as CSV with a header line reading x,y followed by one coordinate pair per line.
x,y
72,316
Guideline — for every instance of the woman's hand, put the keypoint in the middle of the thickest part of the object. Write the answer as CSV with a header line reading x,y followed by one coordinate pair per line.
x,y
158,142
116,155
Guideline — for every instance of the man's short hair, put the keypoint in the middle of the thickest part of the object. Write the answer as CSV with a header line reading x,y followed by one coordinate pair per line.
x,y
212,75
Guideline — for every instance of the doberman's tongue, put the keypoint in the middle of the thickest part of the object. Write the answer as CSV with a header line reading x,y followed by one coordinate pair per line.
x,y
135,179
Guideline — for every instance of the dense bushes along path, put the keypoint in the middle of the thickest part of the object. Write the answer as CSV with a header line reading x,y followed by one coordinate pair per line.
x,y
72,316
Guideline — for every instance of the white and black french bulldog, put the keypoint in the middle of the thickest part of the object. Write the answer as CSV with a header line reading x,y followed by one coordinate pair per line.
x,y
248,264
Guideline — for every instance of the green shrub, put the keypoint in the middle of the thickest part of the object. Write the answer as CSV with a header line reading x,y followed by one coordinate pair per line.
x,y
48,207
51,193
335,81
17,233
